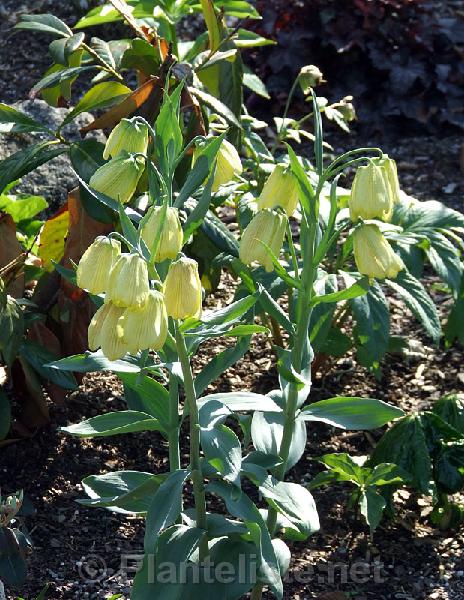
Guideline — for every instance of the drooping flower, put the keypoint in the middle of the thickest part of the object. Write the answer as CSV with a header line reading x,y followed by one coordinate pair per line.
x,y
373,254
267,226
128,281
96,263
106,331
118,178
182,289
390,171
228,164
370,197
147,326
172,236
310,76
129,135
280,189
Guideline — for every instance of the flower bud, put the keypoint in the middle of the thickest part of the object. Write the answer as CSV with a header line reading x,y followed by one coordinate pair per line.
x,y
96,263
147,326
118,178
310,76
182,289
129,135
370,197
347,109
390,172
267,226
172,236
228,164
280,189
373,254
111,336
128,281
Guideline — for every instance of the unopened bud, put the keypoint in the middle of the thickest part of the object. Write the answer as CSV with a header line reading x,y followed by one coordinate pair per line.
x,y
118,178
373,254
390,171
96,263
172,236
280,189
128,281
370,197
129,135
267,226
182,289
147,326
310,76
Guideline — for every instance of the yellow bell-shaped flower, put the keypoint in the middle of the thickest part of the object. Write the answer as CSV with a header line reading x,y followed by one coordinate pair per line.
x,y
118,178
147,326
228,164
280,189
129,135
128,281
267,226
111,336
370,196
96,263
172,236
96,324
182,289
373,254
390,172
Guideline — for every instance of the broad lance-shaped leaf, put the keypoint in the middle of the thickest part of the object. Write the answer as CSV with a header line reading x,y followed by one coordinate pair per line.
x,y
243,508
351,412
121,491
242,401
294,501
267,432
44,23
114,423
95,361
220,445
145,394
14,121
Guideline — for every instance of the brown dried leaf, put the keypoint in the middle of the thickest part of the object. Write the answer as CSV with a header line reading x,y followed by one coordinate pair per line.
x,y
127,107
10,251
42,335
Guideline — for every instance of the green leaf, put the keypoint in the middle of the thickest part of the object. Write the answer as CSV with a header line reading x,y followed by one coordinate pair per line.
x,y
454,329
94,361
13,566
121,491
22,207
14,121
351,412
255,84
11,330
267,432
142,56
445,259
218,233
372,505
38,357
249,39
243,508
449,468
242,401
216,106
359,288
100,96
145,394
345,467
293,501
103,50
59,77
421,217
273,309
164,509
372,330
45,23
114,423
418,301
5,415
220,445
24,161
387,474
451,409
168,135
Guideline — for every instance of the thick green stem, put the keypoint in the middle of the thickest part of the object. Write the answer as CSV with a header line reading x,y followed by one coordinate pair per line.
x,y
174,424
195,467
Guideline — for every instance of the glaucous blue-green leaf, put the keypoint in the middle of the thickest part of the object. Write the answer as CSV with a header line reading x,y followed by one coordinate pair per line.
x,y
95,361
451,409
114,423
38,356
242,401
44,23
121,491
351,413
145,394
